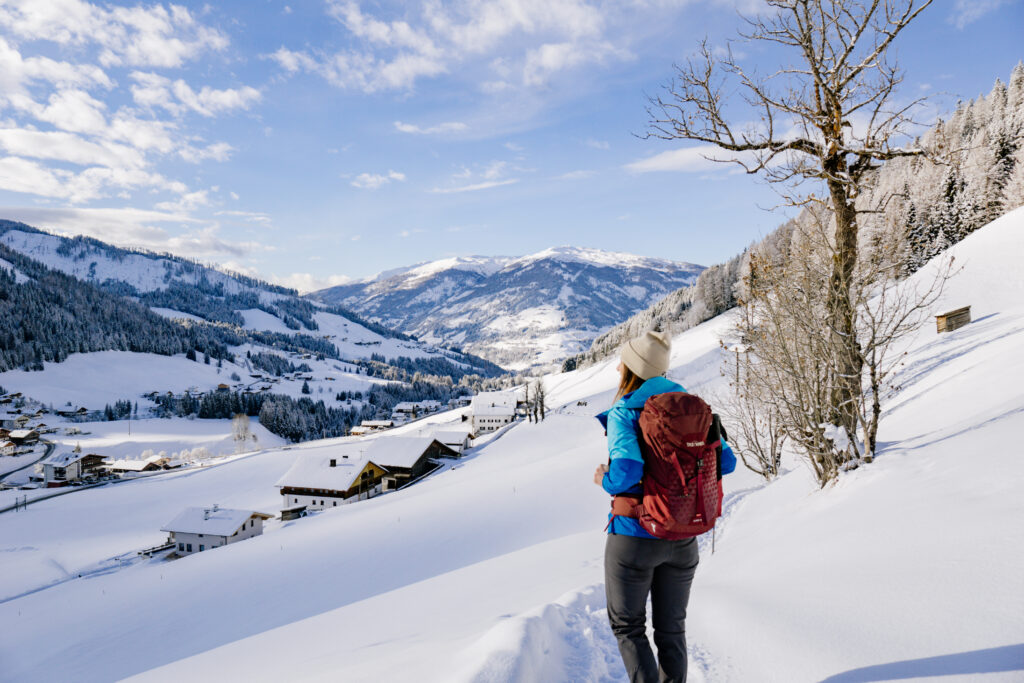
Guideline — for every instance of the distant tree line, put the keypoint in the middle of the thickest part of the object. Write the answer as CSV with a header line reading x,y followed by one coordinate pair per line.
x,y
275,364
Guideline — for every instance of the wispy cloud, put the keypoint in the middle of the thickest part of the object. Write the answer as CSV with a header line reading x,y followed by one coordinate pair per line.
x,y
247,216
439,129
596,144
486,185
576,175
700,159
968,11
372,181
138,228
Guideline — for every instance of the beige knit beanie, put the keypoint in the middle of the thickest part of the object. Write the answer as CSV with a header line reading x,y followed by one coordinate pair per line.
x,y
647,356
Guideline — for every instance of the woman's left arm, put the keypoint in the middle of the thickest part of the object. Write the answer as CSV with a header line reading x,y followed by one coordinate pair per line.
x,y
626,468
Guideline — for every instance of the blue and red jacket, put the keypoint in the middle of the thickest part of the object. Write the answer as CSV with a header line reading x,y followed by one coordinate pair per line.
x,y
626,469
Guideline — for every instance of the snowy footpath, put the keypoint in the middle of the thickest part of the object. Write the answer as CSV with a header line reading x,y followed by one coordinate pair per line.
x,y
491,570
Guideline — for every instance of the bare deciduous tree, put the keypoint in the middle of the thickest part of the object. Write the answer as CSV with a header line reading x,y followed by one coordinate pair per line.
x,y
757,432
785,382
829,118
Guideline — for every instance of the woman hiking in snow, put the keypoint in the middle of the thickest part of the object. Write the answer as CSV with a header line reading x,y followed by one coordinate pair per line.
x,y
638,563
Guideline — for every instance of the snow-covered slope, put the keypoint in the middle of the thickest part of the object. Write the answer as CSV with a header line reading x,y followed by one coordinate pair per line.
x,y
86,260
518,312
492,570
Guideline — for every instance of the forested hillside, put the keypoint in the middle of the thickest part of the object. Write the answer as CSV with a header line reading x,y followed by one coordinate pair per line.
x,y
46,315
973,174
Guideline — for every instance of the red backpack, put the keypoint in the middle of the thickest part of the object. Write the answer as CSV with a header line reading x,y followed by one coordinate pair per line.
x,y
682,488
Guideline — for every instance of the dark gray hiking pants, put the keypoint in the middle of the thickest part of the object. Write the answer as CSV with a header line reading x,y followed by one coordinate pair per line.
x,y
633,568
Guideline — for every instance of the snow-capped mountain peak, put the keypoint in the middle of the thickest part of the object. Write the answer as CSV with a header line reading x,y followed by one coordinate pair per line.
x,y
523,311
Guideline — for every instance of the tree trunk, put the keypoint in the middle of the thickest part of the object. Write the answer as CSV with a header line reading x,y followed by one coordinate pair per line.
x,y
847,389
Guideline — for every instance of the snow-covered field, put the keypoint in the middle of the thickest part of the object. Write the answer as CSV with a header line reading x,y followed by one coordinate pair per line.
x,y
93,380
908,568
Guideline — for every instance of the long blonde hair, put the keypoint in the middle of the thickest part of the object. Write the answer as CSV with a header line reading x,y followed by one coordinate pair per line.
x,y
629,381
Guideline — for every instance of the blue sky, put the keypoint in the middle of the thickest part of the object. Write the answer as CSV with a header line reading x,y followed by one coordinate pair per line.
x,y
310,142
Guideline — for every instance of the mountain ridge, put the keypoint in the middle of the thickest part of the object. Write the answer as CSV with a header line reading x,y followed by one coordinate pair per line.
x,y
519,312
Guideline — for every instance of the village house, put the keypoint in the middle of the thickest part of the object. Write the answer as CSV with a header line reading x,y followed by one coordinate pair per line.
x,y
149,464
407,457
408,410
199,529
368,426
61,469
492,410
8,448
459,401
324,480
23,436
459,440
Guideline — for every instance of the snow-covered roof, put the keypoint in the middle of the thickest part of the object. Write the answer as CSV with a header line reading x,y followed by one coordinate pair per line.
x,y
378,423
66,458
314,471
21,433
493,403
133,465
399,451
215,521
451,436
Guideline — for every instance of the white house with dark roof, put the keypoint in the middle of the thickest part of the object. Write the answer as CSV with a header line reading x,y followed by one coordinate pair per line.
x,y
20,436
329,478
492,410
407,457
68,466
199,529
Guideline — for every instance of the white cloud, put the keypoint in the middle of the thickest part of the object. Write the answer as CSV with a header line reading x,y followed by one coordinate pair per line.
x,y
548,59
596,144
75,111
187,202
248,216
372,181
68,147
576,175
968,11
521,40
218,151
26,176
114,145
137,228
688,160
152,90
17,72
439,129
474,187
129,36
307,282
294,61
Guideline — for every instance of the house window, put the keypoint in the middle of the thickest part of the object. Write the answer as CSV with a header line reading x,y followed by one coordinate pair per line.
x,y
181,546
335,503
202,547
200,535
188,547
